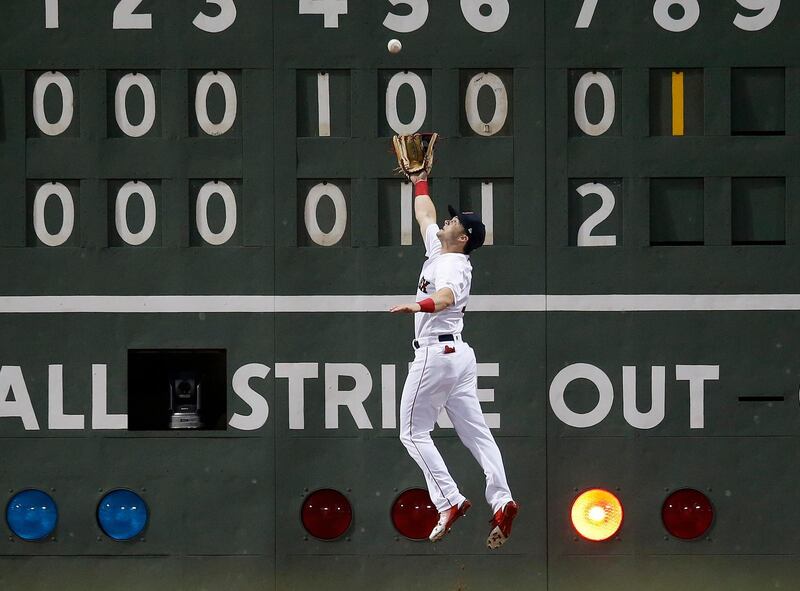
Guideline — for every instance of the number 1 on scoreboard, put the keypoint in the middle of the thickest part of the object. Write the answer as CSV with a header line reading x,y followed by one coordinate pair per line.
x,y
586,15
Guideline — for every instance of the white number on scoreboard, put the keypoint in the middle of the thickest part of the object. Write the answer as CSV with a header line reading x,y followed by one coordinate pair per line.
x,y
201,103
586,14
498,120
207,191
67,103
124,231
420,99
315,195
409,22
124,17
220,22
585,237
67,214
768,10
691,14
491,23
50,14
331,10
143,83
609,103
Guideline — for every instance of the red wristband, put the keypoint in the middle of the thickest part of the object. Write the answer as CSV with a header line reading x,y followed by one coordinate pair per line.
x,y
421,188
427,306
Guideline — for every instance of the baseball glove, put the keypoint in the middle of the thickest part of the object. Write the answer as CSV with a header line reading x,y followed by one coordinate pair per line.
x,y
414,153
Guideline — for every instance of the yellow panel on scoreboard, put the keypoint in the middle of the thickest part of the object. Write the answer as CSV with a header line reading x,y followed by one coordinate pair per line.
x,y
676,102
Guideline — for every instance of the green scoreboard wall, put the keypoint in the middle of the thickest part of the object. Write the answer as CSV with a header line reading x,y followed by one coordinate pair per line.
x,y
211,181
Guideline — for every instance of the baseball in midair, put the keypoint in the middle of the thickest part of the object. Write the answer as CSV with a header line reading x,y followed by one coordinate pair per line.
x,y
394,46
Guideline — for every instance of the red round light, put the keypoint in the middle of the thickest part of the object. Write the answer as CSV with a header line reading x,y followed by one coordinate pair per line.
x,y
326,514
414,515
687,514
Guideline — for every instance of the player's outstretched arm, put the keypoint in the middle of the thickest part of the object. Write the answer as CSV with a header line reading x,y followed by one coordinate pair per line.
x,y
424,209
440,300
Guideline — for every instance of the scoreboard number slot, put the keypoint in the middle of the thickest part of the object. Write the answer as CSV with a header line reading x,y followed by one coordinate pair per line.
x,y
315,195
143,83
121,212
609,103
476,195
420,98
67,214
406,214
487,211
224,191
585,237
493,82
324,103
201,103
67,101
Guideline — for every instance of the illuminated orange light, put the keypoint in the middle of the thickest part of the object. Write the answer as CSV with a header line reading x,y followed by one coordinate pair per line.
x,y
597,514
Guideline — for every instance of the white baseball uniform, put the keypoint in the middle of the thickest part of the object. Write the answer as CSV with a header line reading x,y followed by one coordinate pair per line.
x,y
444,374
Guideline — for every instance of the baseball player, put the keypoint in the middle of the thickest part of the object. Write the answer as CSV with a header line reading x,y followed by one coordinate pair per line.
x,y
443,373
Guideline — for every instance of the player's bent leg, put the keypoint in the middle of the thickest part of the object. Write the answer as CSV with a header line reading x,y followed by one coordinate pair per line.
x,y
419,408
465,413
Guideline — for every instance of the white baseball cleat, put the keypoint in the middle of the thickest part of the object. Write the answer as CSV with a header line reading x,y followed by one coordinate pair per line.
x,y
501,525
447,519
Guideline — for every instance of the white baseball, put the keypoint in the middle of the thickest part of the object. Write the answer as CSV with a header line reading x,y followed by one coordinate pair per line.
x,y
394,46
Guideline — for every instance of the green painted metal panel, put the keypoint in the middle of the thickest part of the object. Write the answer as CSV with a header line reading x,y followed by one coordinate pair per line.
x,y
713,213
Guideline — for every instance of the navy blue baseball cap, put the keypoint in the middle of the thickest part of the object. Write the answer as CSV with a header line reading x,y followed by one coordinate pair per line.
x,y
473,227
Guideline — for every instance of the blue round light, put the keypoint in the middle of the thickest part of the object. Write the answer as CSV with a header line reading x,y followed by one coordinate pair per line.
x,y
32,514
122,514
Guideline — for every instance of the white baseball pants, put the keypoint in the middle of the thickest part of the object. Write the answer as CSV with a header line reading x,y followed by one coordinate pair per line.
x,y
437,379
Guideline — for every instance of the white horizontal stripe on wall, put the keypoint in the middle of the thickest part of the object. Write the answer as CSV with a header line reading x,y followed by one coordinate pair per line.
x,y
381,303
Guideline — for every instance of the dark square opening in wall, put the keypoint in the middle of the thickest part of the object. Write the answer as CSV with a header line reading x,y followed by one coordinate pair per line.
x,y
759,211
493,200
758,101
328,90
676,102
595,212
323,212
177,389
676,212
594,103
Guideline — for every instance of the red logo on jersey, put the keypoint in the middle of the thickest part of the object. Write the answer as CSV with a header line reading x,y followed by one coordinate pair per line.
x,y
449,349
423,285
